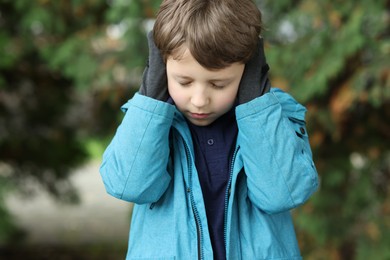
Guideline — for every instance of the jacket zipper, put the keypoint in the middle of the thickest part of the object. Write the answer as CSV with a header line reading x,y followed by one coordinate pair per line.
x,y
199,228
227,195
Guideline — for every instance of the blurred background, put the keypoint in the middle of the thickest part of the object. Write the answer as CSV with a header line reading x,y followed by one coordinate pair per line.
x,y
66,67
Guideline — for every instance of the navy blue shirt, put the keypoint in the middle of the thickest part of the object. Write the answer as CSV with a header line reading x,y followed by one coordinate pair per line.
x,y
214,147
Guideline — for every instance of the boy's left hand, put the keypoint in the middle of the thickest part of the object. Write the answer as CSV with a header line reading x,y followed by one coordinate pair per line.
x,y
154,78
254,82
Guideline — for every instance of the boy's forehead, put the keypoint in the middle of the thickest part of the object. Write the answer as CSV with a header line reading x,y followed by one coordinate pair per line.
x,y
186,67
183,55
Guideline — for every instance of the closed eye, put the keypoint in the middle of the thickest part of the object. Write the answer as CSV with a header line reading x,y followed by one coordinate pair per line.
x,y
185,84
217,86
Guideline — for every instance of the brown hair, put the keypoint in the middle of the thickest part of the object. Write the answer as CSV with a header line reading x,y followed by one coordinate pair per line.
x,y
216,32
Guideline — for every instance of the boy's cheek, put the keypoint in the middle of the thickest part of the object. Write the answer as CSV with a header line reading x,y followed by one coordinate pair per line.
x,y
174,93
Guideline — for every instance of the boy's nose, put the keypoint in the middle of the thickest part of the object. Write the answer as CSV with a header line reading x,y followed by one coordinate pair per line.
x,y
199,99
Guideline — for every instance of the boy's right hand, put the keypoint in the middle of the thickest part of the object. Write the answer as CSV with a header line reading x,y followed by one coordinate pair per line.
x,y
154,79
254,82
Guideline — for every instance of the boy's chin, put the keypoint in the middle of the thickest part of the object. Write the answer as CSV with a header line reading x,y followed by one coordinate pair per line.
x,y
201,122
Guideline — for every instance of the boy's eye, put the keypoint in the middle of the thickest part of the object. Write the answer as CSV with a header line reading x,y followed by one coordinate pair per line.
x,y
217,86
184,84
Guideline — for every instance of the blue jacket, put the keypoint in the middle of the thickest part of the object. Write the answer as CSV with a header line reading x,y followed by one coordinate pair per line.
x,y
150,162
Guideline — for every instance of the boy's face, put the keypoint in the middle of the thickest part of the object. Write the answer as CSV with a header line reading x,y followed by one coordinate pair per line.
x,y
202,95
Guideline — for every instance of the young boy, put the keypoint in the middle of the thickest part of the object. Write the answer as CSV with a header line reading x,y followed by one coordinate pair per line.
x,y
211,156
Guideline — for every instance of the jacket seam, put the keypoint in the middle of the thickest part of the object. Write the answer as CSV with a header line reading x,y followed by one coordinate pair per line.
x,y
152,111
273,157
279,169
255,110
136,155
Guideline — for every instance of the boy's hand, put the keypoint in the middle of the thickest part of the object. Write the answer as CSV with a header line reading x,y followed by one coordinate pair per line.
x,y
254,82
154,79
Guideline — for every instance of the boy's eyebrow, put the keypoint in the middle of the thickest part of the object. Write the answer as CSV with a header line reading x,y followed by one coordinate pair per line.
x,y
222,80
181,76
228,79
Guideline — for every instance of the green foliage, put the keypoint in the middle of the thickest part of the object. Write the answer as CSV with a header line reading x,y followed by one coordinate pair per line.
x,y
333,56
335,37
7,227
63,74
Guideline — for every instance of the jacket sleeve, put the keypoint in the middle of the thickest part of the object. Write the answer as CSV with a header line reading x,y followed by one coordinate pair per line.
x,y
276,153
134,166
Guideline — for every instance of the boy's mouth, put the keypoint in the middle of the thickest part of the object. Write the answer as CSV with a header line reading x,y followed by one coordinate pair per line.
x,y
199,115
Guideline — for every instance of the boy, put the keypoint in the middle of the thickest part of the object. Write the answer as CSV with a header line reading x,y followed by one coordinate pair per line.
x,y
211,156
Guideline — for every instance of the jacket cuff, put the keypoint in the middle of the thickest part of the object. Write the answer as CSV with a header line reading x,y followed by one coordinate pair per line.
x,y
256,105
151,105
